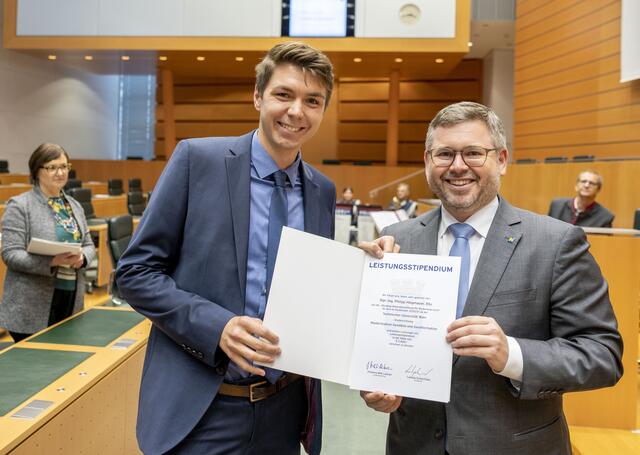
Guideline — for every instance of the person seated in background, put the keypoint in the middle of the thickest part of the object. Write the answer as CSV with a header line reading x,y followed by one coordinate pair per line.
x,y
347,197
40,291
583,210
402,201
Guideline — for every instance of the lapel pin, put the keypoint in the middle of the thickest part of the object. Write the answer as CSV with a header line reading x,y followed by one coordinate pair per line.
x,y
510,239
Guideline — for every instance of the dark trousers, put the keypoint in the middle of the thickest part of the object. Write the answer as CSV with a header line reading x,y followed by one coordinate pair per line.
x,y
235,426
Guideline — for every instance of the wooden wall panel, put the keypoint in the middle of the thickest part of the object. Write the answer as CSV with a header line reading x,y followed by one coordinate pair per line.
x,y
529,186
363,110
567,96
355,125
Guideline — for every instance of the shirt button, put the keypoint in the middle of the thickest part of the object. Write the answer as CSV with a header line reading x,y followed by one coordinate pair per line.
x,y
263,291
439,434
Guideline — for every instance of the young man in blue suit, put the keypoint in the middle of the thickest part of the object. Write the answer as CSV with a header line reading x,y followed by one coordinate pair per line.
x,y
200,264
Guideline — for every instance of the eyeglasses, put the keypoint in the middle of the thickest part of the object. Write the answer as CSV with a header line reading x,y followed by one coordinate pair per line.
x,y
53,169
587,183
473,155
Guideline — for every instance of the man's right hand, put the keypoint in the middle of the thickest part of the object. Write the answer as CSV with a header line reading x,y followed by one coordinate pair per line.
x,y
245,340
381,401
381,245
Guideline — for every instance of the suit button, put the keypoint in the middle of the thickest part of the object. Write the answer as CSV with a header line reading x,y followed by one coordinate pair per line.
x,y
439,434
200,355
220,371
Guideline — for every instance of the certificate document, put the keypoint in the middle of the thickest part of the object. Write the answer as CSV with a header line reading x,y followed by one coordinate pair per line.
x,y
406,302
372,324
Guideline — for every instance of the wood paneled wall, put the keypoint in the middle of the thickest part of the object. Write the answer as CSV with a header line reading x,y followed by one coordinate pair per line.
x,y
354,127
529,186
363,111
568,99
208,107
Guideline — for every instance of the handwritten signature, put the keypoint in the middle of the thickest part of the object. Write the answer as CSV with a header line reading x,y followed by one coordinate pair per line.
x,y
416,371
371,365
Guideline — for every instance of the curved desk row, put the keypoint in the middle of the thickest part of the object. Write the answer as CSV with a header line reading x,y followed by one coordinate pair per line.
x,y
73,388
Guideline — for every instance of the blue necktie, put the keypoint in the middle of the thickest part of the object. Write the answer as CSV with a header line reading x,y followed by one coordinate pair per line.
x,y
462,232
278,214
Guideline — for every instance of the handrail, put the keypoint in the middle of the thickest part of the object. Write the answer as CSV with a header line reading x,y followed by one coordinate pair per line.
x,y
619,231
374,192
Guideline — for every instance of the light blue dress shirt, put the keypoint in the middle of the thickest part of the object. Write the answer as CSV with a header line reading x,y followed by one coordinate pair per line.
x,y
262,166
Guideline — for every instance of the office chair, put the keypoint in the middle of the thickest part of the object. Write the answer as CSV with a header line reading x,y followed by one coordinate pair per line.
x,y
72,183
83,196
135,203
582,158
72,173
115,187
119,235
4,166
135,185
555,159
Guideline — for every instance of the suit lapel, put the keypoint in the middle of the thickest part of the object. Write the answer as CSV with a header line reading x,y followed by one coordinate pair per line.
x,y
238,163
501,242
425,241
503,237
312,199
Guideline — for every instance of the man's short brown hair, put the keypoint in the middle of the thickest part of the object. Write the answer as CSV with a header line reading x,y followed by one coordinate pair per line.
x,y
298,54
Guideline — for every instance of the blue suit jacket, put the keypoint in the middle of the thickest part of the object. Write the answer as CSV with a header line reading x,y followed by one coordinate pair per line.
x,y
185,270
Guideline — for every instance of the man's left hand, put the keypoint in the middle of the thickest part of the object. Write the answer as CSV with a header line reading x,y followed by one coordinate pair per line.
x,y
479,336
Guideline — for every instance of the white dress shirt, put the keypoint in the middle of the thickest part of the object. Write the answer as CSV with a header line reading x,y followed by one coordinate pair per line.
x,y
481,222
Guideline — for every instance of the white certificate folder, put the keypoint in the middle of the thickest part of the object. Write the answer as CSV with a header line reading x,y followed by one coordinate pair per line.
x,y
346,317
51,248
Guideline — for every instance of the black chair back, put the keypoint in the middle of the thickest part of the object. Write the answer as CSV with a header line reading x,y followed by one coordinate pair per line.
x,y
583,158
72,183
4,166
72,173
556,159
83,196
115,187
135,203
119,235
135,185
636,220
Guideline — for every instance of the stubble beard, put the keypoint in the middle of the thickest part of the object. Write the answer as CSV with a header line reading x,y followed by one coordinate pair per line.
x,y
470,203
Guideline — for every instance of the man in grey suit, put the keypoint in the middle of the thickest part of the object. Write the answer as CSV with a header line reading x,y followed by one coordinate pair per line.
x,y
537,320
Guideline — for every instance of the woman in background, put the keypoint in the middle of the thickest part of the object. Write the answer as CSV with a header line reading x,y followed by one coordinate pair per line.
x,y
42,290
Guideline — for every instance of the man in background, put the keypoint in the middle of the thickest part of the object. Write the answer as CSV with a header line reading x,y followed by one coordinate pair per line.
x,y
402,200
583,210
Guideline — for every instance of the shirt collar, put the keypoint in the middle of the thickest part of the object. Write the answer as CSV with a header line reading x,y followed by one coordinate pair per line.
x,y
264,164
480,221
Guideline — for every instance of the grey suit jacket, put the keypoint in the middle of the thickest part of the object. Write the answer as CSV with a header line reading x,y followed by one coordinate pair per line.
x,y
537,279
28,285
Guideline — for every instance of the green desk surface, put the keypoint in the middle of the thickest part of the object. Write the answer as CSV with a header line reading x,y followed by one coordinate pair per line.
x,y
27,371
93,328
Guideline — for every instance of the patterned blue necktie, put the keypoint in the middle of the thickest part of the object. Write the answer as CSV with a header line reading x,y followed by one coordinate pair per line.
x,y
462,232
278,215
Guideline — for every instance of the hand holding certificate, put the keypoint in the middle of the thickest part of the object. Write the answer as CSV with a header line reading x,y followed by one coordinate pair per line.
x,y
373,324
